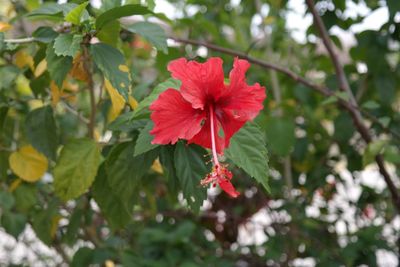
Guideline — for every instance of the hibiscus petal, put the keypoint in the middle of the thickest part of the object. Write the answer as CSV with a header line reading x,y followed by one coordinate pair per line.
x,y
203,138
227,186
174,118
200,81
244,101
230,125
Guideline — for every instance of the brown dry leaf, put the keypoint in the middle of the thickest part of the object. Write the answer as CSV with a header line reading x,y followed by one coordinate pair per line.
x,y
78,71
67,92
55,93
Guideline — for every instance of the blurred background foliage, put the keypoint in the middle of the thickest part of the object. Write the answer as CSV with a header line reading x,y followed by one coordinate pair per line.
x,y
328,205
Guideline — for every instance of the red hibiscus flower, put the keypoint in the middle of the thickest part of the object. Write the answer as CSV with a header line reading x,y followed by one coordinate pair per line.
x,y
206,111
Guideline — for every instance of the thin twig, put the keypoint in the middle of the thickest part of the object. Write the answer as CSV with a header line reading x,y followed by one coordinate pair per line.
x,y
20,41
76,113
2,148
88,68
57,246
353,108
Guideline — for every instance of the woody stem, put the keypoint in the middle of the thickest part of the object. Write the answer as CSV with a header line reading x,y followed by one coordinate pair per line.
x,y
213,147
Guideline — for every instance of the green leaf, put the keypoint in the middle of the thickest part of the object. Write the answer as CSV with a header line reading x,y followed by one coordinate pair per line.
x,y
58,66
76,168
190,169
25,197
391,154
7,200
119,12
334,98
41,131
344,128
385,121
112,207
125,123
3,115
248,151
39,85
45,34
92,257
112,63
167,160
67,44
4,155
145,103
124,171
42,223
51,11
2,43
83,257
75,15
73,227
152,32
280,135
386,85
143,143
8,75
372,150
109,34
13,223
371,105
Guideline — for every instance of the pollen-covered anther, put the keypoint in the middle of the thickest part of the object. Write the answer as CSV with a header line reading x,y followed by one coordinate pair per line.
x,y
218,174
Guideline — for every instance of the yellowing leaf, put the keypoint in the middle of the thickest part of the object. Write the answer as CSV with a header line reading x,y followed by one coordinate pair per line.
x,y
117,101
123,68
23,86
40,68
54,225
269,20
28,164
23,59
35,103
133,102
96,135
4,26
14,185
157,166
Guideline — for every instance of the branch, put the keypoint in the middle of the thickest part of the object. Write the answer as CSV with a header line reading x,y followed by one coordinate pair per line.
x,y
87,68
57,246
20,41
76,113
353,107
